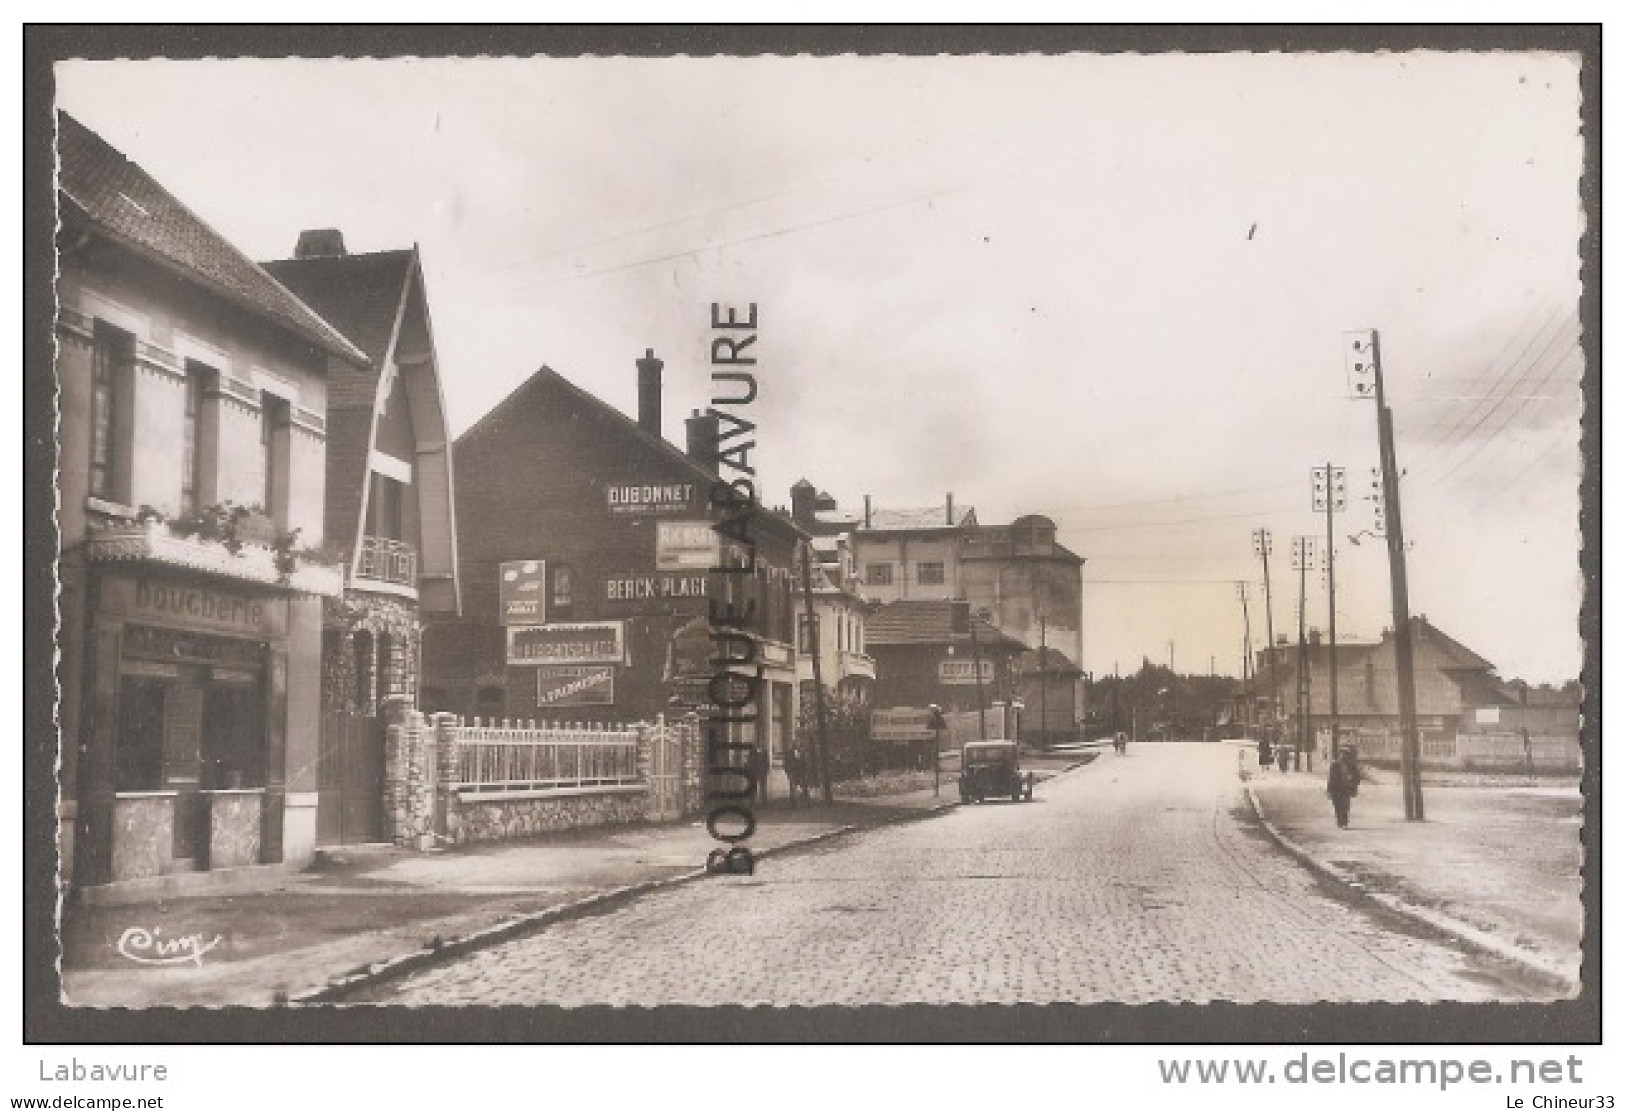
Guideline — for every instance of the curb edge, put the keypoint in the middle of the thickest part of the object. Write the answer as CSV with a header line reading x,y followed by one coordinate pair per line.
x,y
1463,933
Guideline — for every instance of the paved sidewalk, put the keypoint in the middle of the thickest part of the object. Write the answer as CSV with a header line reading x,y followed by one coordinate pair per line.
x,y
310,929
1497,866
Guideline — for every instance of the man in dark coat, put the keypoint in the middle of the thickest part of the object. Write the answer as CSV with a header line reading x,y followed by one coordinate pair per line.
x,y
1342,782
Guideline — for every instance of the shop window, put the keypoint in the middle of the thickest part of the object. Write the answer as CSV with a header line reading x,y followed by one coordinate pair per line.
x,y
110,404
233,739
932,574
878,574
139,759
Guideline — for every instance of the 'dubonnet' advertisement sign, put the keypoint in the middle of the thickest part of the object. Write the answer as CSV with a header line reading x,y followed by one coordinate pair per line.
x,y
637,499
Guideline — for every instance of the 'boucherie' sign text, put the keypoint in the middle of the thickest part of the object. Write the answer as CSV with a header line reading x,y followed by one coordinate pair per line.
x,y
598,642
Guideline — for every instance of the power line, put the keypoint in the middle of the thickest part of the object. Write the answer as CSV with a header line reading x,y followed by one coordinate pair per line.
x,y
1530,470
1523,404
1181,521
760,236
1459,432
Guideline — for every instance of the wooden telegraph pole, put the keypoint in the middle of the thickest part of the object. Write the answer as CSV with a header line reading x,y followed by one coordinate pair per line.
x,y
1043,683
813,639
1261,545
1303,555
1247,655
1331,496
1364,365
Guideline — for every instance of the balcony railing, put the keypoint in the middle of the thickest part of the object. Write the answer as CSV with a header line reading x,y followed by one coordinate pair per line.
x,y
390,561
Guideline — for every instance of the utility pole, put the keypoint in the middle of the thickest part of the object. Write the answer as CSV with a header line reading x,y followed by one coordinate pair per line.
x,y
1247,655
1043,684
976,666
818,674
1364,363
1261,547
1331,496
1303,557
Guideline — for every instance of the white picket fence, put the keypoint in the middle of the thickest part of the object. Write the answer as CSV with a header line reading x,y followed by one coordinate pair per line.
x,y
545,757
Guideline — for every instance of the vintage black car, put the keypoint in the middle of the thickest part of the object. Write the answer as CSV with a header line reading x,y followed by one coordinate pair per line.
x,y
992,769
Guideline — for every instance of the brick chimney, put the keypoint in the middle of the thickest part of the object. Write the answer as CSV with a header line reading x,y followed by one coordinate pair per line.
x,y
320,243
649,392
868,512
704,433
950,509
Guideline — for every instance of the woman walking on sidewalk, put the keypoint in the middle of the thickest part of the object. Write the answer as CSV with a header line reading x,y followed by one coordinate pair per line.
x,y
1342,783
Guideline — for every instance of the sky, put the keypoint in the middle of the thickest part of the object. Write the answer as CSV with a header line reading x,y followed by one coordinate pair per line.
x,y
1111,289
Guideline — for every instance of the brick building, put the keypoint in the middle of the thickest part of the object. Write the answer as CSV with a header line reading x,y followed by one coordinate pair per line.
x,y
192,457
602,533
390,513
1030,584
927,654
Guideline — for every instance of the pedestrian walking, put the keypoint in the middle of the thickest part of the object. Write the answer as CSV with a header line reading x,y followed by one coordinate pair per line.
x,y
1343,783
759,769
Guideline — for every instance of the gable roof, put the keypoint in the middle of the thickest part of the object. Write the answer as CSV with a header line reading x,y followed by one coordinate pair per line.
x,y
127,205
359,294
1461,655
546,378
928,622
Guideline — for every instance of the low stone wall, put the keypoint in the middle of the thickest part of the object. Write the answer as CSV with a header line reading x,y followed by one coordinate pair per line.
x,y
1494,752
471,820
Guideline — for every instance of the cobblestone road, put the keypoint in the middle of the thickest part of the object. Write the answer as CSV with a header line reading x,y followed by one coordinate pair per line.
x,y
1134,879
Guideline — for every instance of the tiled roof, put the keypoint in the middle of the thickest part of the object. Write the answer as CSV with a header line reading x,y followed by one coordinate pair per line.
x,y
934,517
358,294
124,202
927,622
